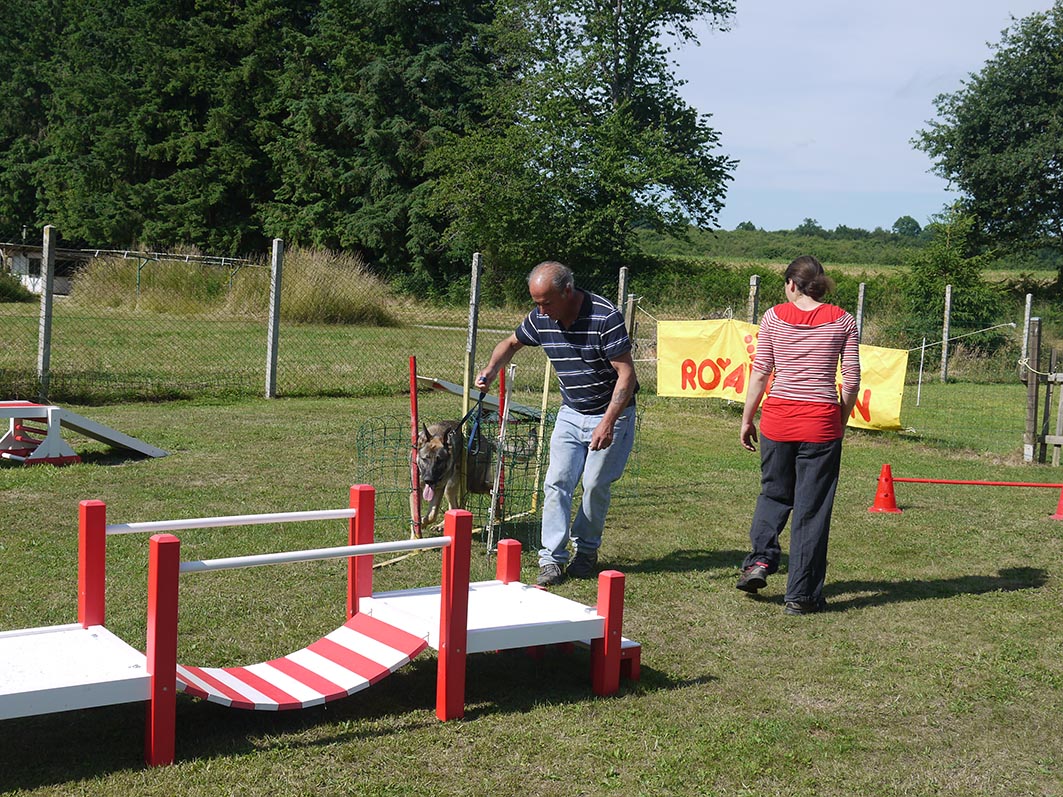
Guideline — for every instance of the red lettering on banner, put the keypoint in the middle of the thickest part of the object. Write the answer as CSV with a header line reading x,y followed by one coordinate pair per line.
x,y
715,375
709,374
692,375
686,375
865,408
737,379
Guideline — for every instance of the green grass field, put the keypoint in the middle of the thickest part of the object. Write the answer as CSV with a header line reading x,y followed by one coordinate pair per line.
x,y
938,669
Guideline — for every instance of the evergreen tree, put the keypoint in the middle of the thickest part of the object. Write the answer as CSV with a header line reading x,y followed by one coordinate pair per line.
x,y
26,37
371,88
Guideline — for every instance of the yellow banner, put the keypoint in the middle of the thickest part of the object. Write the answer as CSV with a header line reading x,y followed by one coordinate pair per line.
x,y
713,359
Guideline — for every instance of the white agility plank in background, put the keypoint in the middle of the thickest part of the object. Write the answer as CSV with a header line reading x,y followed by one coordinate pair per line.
x,y
66,667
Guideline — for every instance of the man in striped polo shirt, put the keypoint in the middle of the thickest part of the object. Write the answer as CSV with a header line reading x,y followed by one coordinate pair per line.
x,y
587,342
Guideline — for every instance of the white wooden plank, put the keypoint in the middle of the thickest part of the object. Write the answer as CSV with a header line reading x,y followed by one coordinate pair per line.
x,y
61,668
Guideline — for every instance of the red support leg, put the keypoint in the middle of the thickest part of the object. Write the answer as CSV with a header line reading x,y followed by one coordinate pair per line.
x,y
605,652
454,615
507,568
92,562
164,569
360,532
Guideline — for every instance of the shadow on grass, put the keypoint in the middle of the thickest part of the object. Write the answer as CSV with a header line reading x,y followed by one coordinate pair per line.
x,y
682,561
56,749
877,593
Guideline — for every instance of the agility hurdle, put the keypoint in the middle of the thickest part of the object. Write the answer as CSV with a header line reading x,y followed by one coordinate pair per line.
x,y
886,500
83,665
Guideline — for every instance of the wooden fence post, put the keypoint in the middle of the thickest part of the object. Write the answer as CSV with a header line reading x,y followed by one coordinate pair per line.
x,y
273,334
1025,338
1032,384
44,337
1042,451
753,310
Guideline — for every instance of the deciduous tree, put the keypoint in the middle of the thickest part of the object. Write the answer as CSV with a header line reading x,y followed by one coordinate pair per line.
x,y
589,139
999,138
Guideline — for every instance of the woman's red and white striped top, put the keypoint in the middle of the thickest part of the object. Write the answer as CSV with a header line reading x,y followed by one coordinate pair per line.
x,y
803,349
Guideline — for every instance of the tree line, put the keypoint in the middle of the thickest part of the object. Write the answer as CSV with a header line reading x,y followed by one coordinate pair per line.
x,y
412,132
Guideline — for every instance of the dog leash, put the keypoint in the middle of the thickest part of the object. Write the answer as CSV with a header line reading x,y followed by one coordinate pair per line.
x,y
477,413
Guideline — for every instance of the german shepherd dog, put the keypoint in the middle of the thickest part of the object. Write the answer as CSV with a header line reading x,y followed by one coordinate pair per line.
x,y
438,448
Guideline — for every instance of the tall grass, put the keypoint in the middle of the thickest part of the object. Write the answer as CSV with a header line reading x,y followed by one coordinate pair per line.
x,y
319,287
12,289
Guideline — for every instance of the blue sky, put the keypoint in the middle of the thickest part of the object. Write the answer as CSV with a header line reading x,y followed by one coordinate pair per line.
x,y
819,101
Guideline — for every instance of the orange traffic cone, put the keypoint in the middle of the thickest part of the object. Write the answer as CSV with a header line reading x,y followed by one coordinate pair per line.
x,y
885,501
1059,508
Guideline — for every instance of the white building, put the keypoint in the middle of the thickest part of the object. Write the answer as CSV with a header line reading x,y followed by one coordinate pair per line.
x,y
24,261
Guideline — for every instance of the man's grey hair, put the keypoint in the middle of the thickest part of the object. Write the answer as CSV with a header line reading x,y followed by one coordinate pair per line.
x,y
558,274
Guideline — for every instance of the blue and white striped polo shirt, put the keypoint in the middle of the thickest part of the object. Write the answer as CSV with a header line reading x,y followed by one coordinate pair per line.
x,y
581,354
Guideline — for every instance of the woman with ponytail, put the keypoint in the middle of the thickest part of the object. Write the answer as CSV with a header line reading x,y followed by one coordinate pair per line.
x,y
799,347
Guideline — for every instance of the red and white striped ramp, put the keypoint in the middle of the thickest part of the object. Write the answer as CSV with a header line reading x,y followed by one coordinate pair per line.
x,y
353,657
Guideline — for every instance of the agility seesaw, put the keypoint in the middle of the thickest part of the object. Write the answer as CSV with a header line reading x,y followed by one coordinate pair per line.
x,y
34,434
83,665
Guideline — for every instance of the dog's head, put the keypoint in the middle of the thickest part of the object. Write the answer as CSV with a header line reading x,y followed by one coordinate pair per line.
x,y
435,453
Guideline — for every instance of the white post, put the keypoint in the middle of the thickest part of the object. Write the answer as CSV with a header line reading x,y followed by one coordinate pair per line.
x,y
621,291
754,299
44,336
860,312
273,333
919,384
1025,337
945,334
470,361
474,321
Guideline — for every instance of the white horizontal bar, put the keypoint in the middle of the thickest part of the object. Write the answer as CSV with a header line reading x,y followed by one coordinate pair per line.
x,y
232,562
231,520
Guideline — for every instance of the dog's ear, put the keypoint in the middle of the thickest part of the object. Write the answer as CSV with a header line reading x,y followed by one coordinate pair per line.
x,y
424,436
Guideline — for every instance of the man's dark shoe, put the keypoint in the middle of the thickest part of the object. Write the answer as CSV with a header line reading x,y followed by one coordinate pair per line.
x,y
753,578
550,575
584,564
804,607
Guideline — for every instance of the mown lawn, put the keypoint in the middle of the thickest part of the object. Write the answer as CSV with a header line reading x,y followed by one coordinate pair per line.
x,y
938,669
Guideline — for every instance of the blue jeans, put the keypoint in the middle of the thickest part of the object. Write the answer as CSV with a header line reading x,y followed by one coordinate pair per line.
x,y
798,479
571,460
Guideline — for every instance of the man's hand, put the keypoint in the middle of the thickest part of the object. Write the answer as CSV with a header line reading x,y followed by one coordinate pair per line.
x,y
602,437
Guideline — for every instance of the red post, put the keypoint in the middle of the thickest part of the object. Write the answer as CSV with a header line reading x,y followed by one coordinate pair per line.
x,y
164,569
605,652
454,615
507,568
92,562
415,475
360,532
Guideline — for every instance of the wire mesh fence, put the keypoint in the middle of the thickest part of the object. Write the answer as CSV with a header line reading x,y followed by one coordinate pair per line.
x,y
134,327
